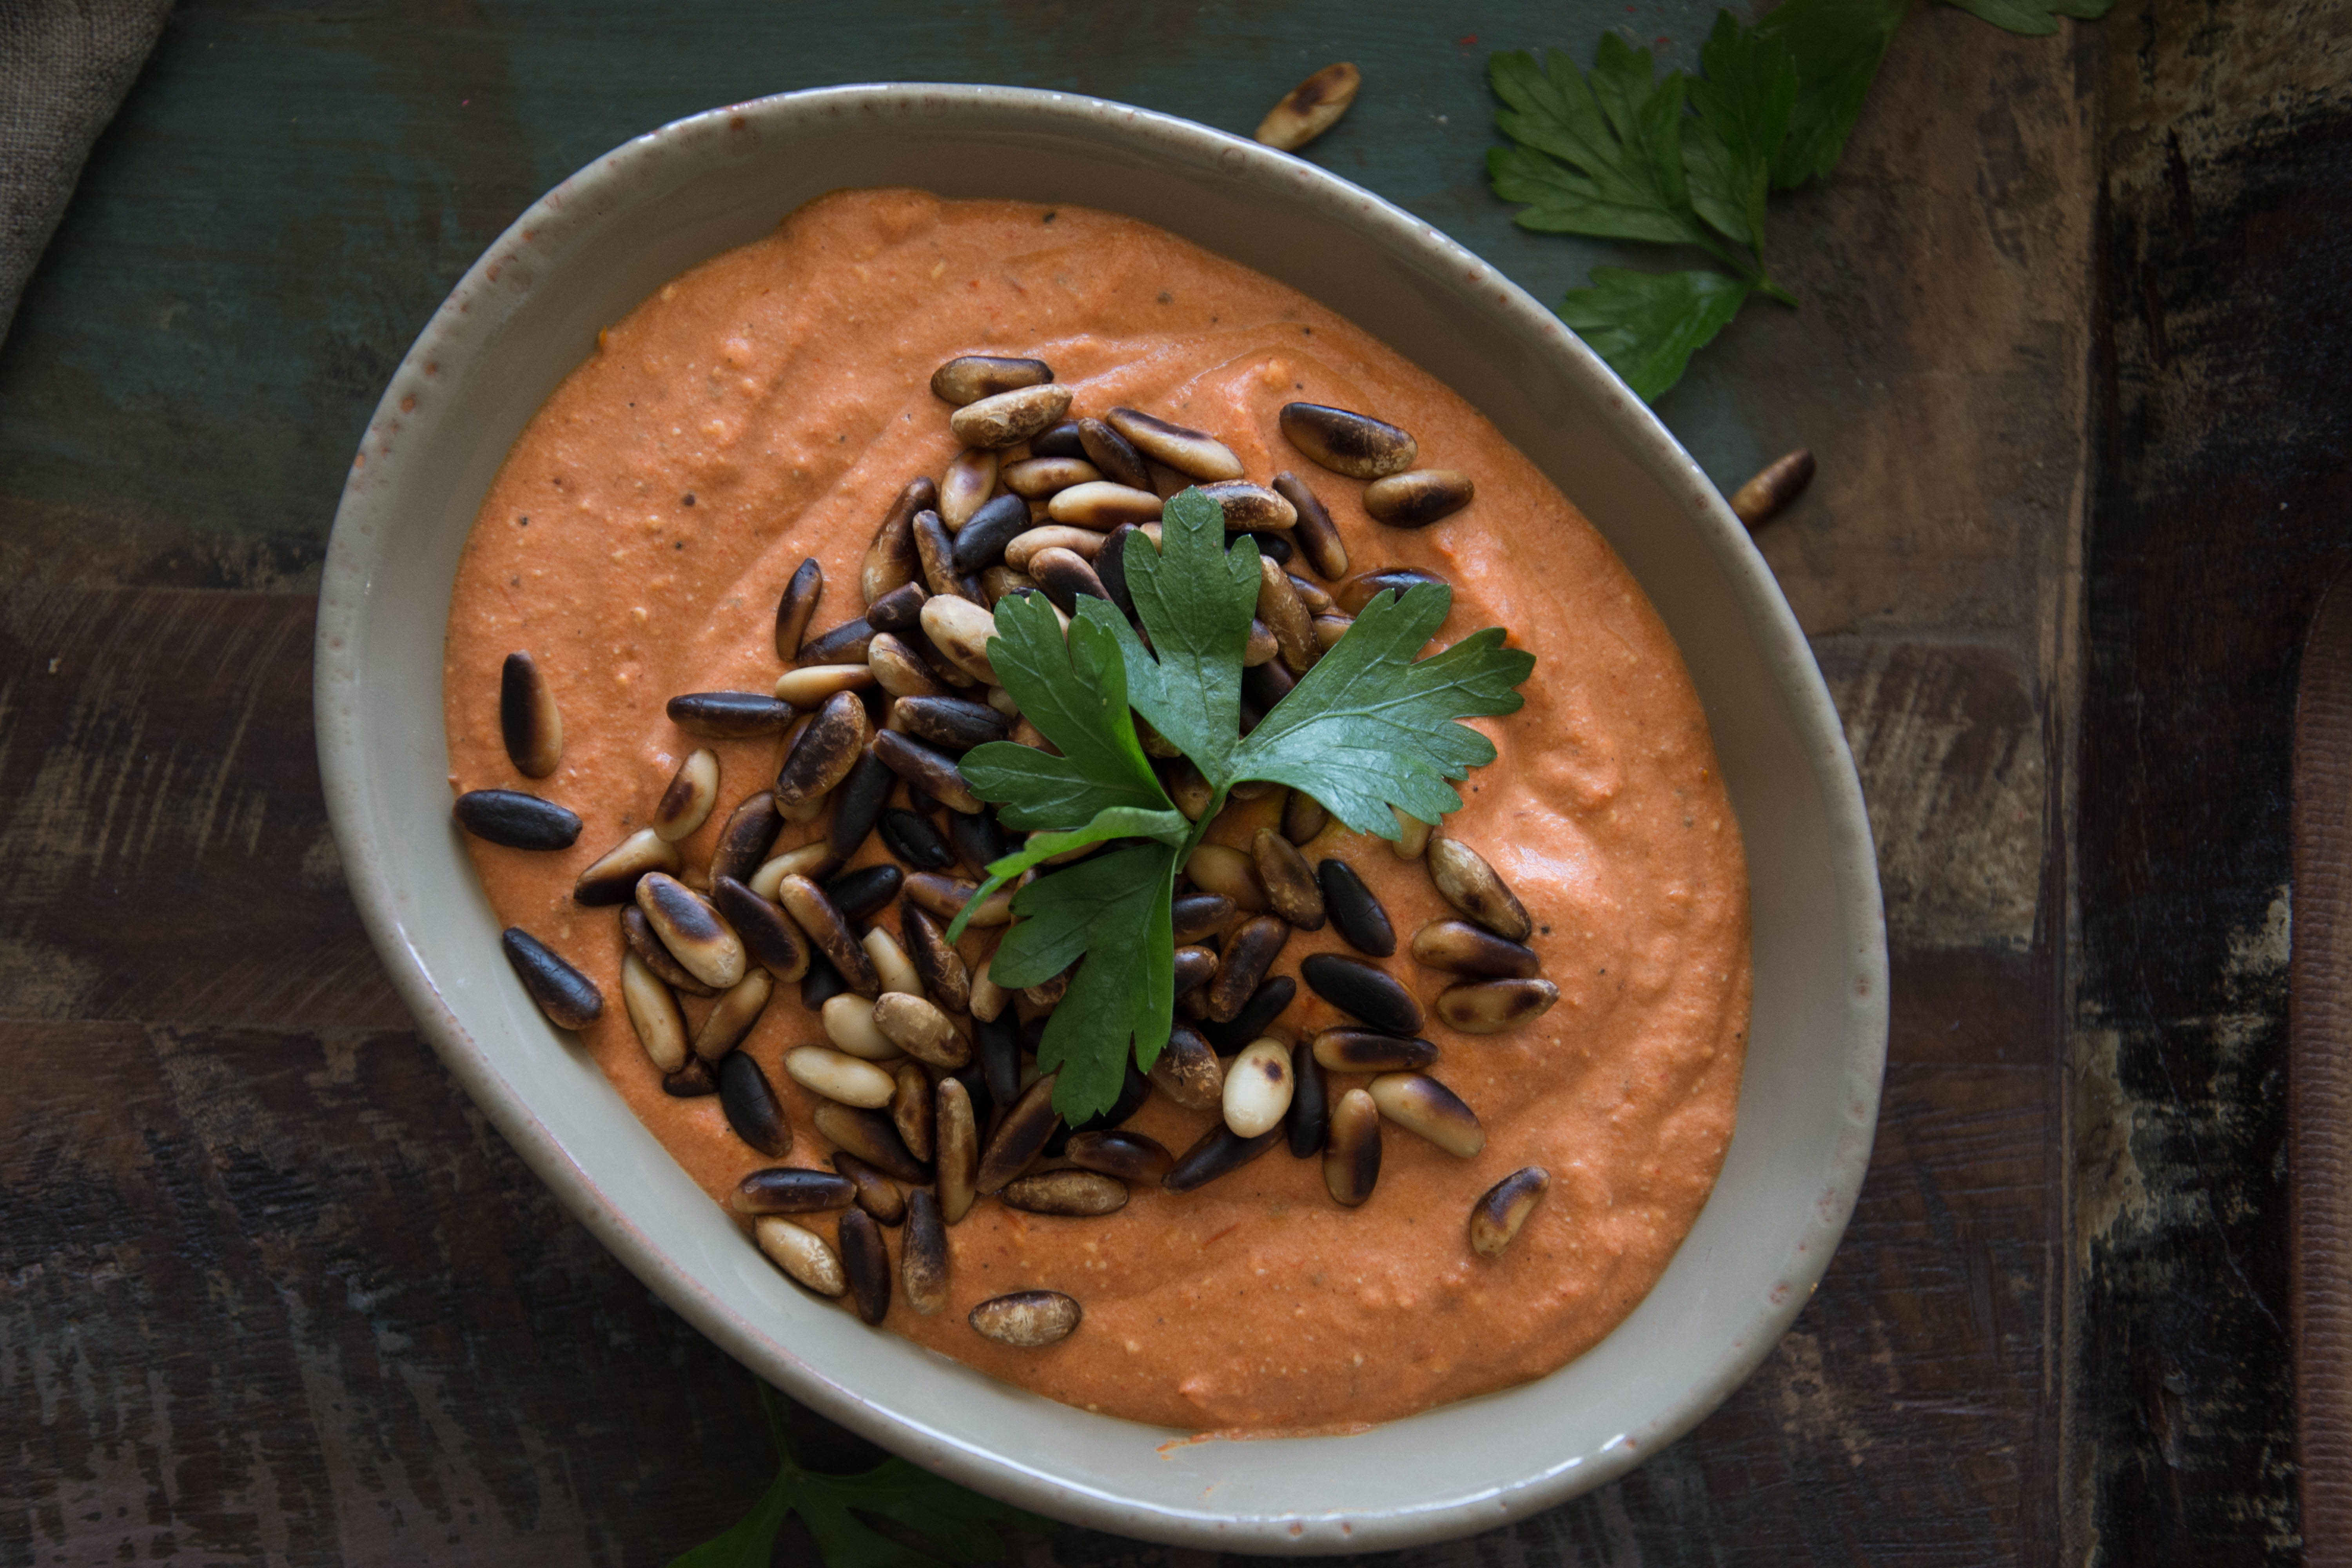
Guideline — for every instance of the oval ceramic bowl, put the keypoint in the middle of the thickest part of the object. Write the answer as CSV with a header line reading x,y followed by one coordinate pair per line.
x,y
587,252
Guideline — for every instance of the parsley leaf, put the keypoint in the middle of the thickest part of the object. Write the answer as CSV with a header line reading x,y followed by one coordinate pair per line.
x,y
1617,155
1197,598
1369,726
2032,17
1599,156
1366,729
960,1522
1075,691
1112,821
1115,909
1837,45
1648,324
1614,155
1745,102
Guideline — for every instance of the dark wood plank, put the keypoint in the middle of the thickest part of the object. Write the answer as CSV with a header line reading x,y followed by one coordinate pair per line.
x,y
283,1294
2224,276
1938,365
1949,740
2319,1082
167,848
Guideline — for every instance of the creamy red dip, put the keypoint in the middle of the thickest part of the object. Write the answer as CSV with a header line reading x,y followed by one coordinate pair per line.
x,y
768,406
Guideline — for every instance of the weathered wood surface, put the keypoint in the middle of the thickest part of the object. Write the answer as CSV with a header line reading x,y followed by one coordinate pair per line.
x,y
2220,516
269,1291
2319,1082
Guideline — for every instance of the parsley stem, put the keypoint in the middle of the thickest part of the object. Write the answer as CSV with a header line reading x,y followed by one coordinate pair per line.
x,y
1752,273
1729,257
1201,829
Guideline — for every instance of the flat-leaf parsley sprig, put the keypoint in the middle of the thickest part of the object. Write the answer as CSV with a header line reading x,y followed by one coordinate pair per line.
x,y
1620,154
1368,732
958,1522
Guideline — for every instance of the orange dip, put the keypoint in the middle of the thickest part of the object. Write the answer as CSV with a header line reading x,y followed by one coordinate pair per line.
x,y
768,406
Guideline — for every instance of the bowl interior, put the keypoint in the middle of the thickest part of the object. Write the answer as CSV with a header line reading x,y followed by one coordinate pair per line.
x,y
582,257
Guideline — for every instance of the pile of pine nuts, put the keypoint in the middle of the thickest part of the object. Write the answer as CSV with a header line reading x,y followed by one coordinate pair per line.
x,y
927,1091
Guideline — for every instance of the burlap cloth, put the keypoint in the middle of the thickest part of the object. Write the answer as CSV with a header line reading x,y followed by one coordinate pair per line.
x,y
64,68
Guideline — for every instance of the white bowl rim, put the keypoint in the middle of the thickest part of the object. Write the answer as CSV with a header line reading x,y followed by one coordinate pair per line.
x,y
355,548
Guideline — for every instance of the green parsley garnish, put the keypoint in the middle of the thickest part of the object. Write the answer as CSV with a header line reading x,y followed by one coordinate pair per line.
x,y
1369,728
1837,45
1615,155
1648,324
958,1521
1619,153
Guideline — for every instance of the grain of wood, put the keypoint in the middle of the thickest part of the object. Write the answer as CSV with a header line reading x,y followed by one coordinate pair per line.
x,y
285,1294
168,851
2224,258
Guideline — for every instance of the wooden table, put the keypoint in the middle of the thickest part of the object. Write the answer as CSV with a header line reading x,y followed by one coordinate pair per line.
x,y
2071,356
